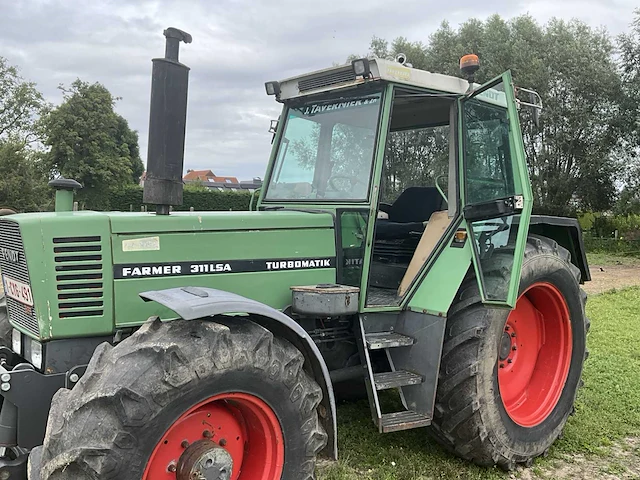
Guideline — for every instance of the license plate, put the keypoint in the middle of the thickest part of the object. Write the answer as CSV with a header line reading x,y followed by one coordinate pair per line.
x,y
17,290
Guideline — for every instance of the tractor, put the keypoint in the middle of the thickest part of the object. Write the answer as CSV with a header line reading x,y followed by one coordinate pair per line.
x,y
391,247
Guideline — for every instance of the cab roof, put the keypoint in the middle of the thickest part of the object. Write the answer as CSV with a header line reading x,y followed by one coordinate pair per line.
x,y
343,76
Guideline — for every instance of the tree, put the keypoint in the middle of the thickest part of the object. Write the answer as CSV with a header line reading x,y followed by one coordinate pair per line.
x,y
629,151
571,65
89,142
20,105
23,179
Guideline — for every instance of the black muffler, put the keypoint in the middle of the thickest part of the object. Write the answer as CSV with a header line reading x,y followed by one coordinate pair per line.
x,y
168,117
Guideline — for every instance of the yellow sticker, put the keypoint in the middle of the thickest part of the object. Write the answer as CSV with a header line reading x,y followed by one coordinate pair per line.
x,y
400,73
145,244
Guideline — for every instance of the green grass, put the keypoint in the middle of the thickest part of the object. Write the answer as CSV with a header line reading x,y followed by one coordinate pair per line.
x,y
608,409
612,259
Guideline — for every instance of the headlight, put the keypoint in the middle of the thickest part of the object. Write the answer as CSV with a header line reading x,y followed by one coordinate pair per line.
x,y
16,341
35,354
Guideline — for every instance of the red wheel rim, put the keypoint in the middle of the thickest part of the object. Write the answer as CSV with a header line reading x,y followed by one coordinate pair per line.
x,y
535,355
244,425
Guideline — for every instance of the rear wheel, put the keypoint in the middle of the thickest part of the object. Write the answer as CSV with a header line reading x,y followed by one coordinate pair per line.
x,y
508,380
220,399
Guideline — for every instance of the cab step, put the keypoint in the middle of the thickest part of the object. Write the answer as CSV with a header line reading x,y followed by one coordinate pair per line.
x,y
394,422
380,340
399,378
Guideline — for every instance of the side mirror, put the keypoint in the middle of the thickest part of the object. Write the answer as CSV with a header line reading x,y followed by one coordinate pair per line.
x,y
533,100
273,128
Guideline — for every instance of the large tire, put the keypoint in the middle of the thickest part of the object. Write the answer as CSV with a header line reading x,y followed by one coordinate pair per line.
x,y
134,397
471,418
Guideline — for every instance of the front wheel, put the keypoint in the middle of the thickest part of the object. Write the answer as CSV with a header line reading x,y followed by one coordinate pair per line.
x,y
508,380
218,399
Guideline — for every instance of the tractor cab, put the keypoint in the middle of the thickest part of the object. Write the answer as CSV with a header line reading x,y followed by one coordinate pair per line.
x,y
408,161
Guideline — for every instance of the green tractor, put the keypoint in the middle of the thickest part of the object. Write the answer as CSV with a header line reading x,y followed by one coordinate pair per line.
x,y
392,247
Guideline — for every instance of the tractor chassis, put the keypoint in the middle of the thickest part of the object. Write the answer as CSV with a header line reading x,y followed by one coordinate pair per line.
x,y
26,399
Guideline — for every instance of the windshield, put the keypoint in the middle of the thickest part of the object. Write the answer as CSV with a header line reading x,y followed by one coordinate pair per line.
x,y
326,150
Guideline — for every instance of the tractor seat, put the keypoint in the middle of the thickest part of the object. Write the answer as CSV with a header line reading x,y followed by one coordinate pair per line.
x,y
408,213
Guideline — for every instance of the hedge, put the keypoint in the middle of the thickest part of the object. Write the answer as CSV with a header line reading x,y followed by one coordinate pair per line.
x,y
130,199
619,246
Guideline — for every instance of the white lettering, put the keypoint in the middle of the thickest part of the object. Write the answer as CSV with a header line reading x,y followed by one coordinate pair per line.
x,y
126,271
176,269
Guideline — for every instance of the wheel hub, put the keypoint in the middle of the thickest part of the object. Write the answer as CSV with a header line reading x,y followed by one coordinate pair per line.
x,y
204,460
505,345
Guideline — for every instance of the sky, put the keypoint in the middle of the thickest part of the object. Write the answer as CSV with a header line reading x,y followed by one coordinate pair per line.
x,y
237,46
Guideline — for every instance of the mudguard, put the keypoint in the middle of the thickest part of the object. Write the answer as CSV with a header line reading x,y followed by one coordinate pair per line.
x,y
566,231
191,303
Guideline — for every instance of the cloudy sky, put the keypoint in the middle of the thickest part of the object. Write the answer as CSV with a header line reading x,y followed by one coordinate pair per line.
x,y
237,46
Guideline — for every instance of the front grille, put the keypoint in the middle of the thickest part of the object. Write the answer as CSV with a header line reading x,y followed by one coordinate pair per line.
x,y
79,274
332,78
11,239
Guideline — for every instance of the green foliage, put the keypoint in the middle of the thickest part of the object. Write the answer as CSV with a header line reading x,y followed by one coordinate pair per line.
x,y
23,177
586,220
571,157
629,48
602,225
600,233
91,143
201,199
617,246
20,105
23,180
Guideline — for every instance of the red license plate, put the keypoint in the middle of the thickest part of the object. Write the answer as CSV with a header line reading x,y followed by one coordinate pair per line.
x,y
17,290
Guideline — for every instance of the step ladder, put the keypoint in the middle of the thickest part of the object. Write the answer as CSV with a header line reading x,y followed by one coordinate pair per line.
x,y
375,382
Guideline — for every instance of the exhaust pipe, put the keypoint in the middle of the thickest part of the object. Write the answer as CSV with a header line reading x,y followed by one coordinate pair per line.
x,y
168,116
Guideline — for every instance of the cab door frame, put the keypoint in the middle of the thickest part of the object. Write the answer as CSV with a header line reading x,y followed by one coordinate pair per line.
x,y
513,208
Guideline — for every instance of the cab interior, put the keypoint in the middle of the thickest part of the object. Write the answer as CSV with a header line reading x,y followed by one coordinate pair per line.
x,y
413,213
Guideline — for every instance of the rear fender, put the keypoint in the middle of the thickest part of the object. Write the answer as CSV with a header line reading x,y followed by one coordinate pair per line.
x,y
191,303
566,231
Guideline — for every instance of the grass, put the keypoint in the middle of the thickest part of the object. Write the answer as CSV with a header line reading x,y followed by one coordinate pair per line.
x,y
607,410
611,259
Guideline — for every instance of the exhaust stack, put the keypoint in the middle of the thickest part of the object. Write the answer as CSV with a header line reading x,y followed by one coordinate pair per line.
x,y
168,116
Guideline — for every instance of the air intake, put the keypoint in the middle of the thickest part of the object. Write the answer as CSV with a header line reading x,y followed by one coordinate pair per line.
x,y
78,264
335,77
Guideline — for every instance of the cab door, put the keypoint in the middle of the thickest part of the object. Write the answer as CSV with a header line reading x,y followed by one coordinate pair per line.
x,y
495,187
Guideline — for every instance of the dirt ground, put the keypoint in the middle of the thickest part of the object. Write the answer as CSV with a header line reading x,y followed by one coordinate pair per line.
x,y
607,277
621,463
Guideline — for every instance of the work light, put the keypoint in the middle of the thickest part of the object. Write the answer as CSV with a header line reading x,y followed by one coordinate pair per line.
x,y
361,67
272,88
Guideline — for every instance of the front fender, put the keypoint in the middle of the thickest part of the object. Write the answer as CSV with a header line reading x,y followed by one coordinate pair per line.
x,y
191,303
